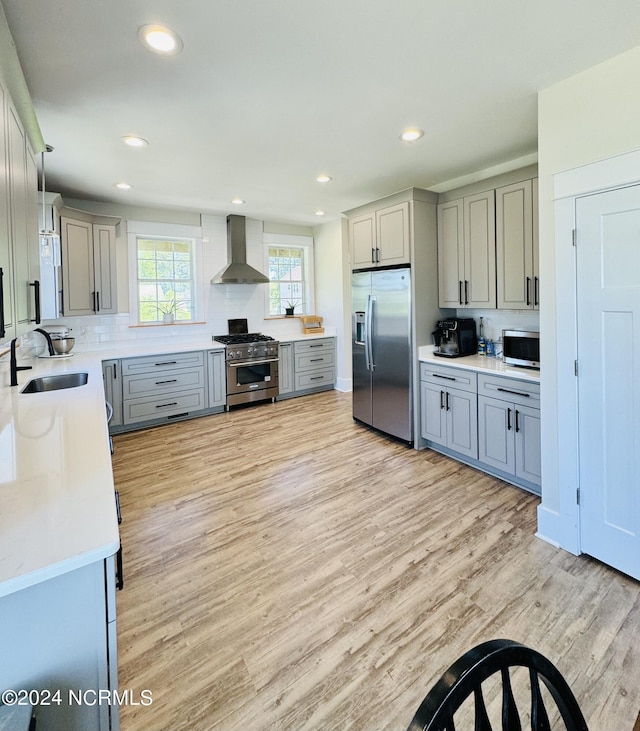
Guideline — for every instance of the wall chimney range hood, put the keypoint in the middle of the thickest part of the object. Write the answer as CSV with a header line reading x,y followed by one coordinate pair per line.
x,y
237,270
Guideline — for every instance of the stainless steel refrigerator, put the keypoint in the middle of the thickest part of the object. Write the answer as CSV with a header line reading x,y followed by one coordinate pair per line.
x,y
382,360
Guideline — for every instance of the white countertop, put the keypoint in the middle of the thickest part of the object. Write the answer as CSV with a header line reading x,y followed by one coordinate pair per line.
x,y
480,364
57,505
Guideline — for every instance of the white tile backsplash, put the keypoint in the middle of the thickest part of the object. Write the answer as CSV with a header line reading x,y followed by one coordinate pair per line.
x,y
495,321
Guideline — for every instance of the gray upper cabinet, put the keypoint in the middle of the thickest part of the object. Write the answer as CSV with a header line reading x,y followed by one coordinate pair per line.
x,y
466,252
19,257
517,245
381,238
88,264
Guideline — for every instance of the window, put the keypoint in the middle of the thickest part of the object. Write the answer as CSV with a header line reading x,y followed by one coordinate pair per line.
x,y
289,265
286,272
165,279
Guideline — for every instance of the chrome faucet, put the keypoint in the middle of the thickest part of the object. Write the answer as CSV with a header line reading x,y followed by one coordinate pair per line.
x,y
14,364
48,339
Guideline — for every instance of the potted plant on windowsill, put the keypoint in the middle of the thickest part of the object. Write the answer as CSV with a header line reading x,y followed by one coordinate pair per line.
x,y
168,310
289,308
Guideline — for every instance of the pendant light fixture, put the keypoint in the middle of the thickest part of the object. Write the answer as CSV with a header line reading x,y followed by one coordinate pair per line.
x,y
49,239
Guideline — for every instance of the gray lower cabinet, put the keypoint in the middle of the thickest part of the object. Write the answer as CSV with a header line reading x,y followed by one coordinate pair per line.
x,y
509,427
449,408
217,379
112,377
163,388
307,366
285,369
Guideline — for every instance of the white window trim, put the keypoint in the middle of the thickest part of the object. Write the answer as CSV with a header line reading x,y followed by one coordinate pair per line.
x,y
302,242
169,231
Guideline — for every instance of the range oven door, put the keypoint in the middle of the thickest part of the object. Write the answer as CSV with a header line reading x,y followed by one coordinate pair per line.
x,y
247,376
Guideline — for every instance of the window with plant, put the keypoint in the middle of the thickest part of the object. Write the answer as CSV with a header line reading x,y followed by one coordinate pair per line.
x,y
287,280
165,279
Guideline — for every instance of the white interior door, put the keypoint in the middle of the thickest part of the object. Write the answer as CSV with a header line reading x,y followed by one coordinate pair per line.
x,y
608,292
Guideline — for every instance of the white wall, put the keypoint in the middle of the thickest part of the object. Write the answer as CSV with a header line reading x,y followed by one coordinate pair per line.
x,y
333,291
591,116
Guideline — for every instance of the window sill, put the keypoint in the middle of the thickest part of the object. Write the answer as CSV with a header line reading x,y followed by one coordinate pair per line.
x,y
168,324
283,317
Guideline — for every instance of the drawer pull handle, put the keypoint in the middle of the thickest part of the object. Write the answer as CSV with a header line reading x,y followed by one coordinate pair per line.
x,y
448,378
517,393
316,378
161,383
316,360
162,406
319,345
168,362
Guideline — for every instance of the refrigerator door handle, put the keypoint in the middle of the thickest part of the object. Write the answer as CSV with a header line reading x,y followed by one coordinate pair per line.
x,y
368,353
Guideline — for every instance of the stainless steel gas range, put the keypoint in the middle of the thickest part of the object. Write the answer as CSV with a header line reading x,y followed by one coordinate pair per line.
x,y
252,367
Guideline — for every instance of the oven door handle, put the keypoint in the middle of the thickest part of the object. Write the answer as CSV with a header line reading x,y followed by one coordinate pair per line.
x,y
252,362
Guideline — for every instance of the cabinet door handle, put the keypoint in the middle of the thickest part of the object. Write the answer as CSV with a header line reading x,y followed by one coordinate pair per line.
x,y
162,406
373,255
459,291
466,291
442,399
161,383
508,419
36,296
377,256
517,421
536,291
447,401
528,291
2,330
97,301
517,393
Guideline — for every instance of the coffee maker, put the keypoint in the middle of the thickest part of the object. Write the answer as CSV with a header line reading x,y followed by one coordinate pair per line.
x,y
455,338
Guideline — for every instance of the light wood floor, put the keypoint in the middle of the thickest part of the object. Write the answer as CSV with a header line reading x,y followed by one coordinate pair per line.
x,y
286,568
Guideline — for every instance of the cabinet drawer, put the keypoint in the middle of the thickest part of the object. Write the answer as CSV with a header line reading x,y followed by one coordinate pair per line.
x,y
510,389
161,363
170,404
309,361
449,376
312,379
314,346
159,383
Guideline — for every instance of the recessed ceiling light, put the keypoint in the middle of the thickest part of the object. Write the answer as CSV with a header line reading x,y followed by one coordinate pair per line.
x,y
237,201
133,141
123,186
160,40
320,213
323,178
411,135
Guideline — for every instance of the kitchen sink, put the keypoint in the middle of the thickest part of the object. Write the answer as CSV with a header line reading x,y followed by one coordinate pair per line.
x,y
56,382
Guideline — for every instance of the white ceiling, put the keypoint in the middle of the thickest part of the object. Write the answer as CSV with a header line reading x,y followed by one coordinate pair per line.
x,y
267,94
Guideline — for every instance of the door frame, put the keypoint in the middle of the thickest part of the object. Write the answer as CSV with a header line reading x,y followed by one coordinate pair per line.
x,y
559,518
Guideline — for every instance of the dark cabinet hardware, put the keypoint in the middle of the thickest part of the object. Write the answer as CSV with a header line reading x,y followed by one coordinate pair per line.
x,y
508,419
316,360
528,291
161,383
167,362
517,421
517,393
97,301
2,330
162,406
36,296
316,378
536,291
466,291
459,291
447,378
442,399
448,407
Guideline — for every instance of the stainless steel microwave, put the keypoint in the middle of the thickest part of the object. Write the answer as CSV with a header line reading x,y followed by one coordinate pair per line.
x,y
521,348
